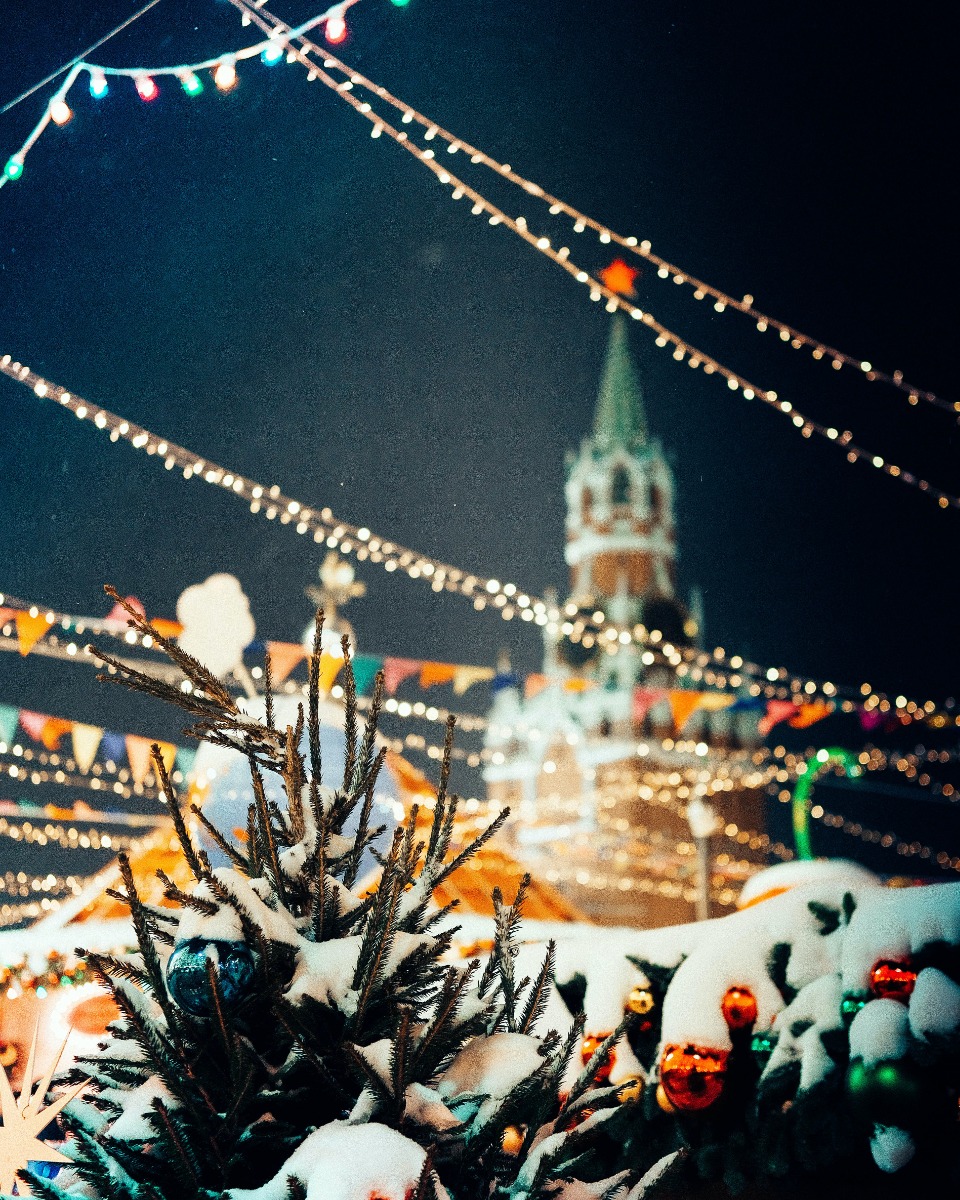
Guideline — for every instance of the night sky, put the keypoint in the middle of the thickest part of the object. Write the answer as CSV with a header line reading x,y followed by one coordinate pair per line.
x,y
253,277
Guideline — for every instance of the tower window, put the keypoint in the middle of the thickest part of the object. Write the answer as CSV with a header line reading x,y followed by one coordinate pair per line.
x,y
620,487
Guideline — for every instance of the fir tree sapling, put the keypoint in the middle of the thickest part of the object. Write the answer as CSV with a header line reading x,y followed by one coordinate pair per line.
x,y
278,1028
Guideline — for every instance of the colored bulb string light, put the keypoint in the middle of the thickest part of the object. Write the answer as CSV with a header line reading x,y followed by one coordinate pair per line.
x,y
78,58
505,598
723,300
225,77
222,66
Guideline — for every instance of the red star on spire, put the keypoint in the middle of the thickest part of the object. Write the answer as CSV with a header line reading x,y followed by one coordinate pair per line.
x,y
619,277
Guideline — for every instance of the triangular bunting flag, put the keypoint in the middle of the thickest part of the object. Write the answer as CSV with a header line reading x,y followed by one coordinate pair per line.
x,y
168,754
119,613
330,667
86,743
284,656
643,700
33,723
167,629
112,746
810,714
396,670
576,684
365,668
716,701
30,630
466,677
53,730
9,716
7,614
748,704
777,711
432,673
683,705
138,756
534,684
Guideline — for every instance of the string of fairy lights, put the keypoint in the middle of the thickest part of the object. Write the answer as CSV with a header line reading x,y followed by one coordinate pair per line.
x,y
280,44
714,667
910,764
615,299
222,68
723,301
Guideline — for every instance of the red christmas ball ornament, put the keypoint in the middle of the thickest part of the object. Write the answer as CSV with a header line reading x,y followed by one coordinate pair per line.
x,y
893,981
589,1046
739,1008
693,1076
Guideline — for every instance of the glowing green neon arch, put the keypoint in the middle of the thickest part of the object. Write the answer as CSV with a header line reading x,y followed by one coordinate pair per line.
x,y
817,764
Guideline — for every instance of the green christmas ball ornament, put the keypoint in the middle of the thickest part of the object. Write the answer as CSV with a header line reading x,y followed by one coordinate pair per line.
x,y
888,1092
762,1046
850,1005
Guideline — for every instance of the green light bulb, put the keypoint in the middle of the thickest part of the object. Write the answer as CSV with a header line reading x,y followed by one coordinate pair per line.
x,y
14,168
191,83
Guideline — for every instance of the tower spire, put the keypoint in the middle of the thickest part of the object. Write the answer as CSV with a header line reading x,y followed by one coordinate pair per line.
x,y
619,419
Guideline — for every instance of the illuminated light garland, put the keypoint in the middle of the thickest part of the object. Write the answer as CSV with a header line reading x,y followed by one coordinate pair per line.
x,y
67,837
59,970
682,350
505,598
400,709
21,884
17,914
103,787
665,269
887,841
223,67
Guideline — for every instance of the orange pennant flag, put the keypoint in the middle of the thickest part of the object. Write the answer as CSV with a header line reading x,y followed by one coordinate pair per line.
x,y
329,670
576,684
30,630
683,705
138,756
534,684
434,672
86,743
810,714
466,677
53,730
284,656
166,628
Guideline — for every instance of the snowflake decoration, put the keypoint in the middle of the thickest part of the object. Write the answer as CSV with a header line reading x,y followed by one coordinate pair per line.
x,y
26,1117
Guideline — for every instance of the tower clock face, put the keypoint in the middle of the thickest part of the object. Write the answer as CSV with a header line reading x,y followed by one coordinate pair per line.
x,y
574,653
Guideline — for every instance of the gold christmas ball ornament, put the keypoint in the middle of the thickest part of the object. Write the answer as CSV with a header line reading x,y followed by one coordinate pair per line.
x,y
512,1141
630,1090
640,1001
589,1046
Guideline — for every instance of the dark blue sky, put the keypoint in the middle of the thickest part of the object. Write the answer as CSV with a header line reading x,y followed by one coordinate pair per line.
x,y
255,278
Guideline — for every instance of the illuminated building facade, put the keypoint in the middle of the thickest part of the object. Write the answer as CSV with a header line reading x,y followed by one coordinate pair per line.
x,y
614,790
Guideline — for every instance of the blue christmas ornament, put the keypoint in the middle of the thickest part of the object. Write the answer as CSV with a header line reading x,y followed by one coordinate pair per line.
x,y
187,974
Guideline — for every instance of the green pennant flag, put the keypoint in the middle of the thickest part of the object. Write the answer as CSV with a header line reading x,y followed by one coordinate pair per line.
x,y
9,716
365,668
